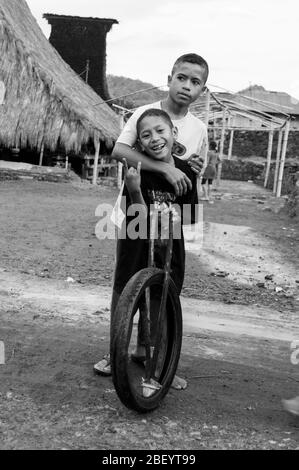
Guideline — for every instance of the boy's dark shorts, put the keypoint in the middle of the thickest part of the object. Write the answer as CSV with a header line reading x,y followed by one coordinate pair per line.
x,y
204,180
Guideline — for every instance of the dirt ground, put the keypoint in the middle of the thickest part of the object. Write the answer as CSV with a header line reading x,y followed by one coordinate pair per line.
x,y
240,302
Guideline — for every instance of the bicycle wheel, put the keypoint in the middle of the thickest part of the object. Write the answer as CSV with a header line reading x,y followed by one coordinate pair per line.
x,y
127,375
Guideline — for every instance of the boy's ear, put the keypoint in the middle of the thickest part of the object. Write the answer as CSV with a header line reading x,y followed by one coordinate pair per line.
x,y
169,78
175,132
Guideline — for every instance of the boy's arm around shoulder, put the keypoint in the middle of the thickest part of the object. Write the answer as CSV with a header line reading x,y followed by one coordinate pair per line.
x,y
177,178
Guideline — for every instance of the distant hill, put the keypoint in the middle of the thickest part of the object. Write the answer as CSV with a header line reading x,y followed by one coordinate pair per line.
x,y
119,86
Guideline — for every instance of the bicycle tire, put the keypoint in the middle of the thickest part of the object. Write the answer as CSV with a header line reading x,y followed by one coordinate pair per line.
x,y
120,359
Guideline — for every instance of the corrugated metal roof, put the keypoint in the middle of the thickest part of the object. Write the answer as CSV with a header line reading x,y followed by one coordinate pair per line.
x,y
269,101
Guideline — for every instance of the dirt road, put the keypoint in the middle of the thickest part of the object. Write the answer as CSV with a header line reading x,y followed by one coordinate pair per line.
x,y
237,334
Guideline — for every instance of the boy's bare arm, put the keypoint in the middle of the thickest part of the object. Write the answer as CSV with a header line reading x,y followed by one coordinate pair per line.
x,y
177,178
132,179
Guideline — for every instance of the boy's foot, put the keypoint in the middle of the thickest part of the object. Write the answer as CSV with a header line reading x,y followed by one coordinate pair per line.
x,y
292,405
179,383
149,388
103,367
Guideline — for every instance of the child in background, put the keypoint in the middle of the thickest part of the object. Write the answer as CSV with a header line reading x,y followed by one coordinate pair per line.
x,y
210,172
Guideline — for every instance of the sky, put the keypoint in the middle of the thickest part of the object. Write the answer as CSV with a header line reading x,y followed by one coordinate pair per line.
x,y
245,42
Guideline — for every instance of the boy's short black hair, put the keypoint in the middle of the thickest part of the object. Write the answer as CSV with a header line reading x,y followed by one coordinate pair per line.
x,y
156,113
213,145
192,59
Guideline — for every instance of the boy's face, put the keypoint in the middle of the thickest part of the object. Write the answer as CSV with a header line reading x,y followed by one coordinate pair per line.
x,y
156,137
186,83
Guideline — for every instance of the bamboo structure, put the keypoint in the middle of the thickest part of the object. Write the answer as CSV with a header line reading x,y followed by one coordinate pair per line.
x,y
206,121
230,148
248,117
207,107
221,148
278,152
269,153
282,160
46,102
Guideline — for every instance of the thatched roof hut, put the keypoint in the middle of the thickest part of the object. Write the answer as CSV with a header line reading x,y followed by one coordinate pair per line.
x,y
46,102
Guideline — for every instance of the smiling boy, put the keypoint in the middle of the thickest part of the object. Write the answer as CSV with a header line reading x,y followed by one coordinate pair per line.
x,y
156,135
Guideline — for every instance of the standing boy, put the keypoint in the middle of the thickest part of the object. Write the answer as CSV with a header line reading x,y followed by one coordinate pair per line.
x,y
186,83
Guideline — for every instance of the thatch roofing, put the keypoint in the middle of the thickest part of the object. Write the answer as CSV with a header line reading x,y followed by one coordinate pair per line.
x,y
45,102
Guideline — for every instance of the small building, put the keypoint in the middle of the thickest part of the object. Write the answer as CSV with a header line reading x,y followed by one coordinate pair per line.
x,y
81,42
46,104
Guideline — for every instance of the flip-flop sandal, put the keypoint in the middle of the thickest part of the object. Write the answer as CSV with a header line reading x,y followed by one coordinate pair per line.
x,y
149,388
179,383
103,367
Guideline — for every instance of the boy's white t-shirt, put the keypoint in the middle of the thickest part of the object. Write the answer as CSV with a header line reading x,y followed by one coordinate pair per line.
x,y
192,133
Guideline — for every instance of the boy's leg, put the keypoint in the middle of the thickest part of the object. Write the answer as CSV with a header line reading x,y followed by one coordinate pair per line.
x,y
130,258
103,367
210,182
204,189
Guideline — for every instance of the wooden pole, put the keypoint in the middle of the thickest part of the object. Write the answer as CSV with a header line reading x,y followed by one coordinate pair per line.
x,y
41,155
269,153
214,127
283,157
206,121
87,71
96,161
120,165
221,148
214,132
278,152
2,91
207,107
230,148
